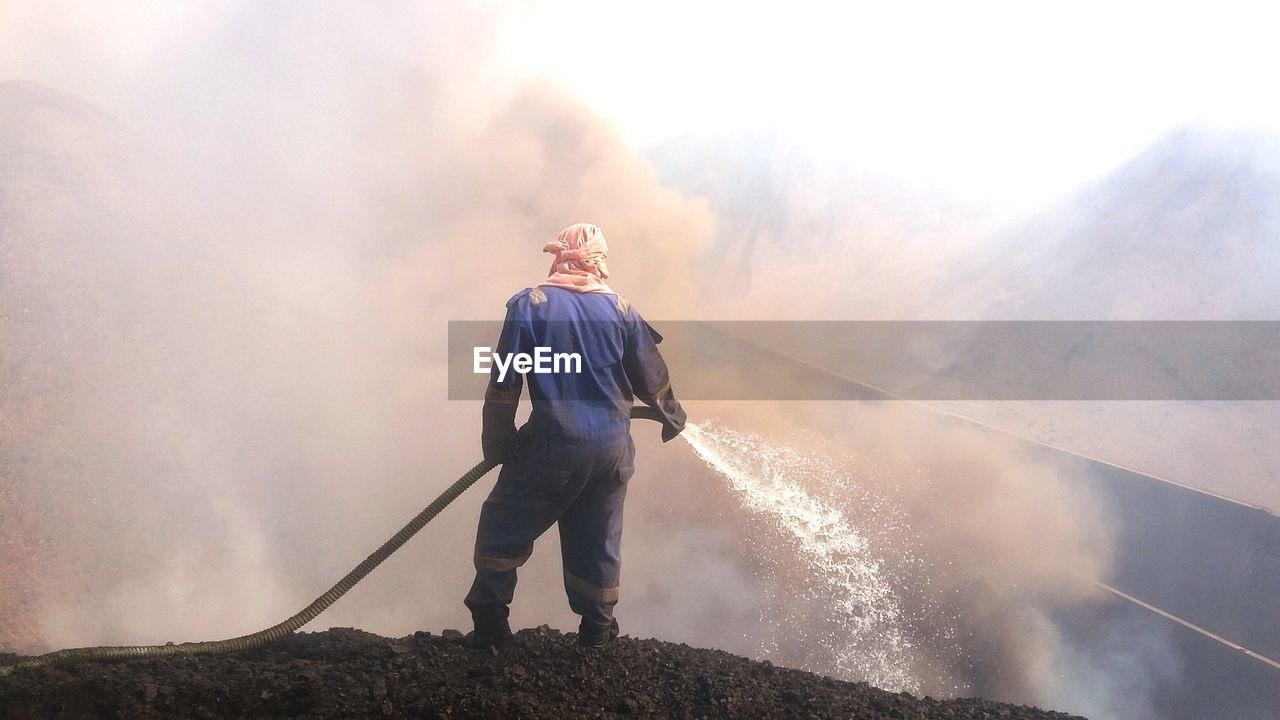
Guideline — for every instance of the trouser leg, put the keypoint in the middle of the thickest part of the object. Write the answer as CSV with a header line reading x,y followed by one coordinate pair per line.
x,y
511,519
591,536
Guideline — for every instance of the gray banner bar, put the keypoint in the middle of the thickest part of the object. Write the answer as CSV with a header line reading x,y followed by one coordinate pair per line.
x,y
1006,360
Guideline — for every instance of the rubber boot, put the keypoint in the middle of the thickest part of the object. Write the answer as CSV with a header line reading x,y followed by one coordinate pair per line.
x,y
492,629
593,636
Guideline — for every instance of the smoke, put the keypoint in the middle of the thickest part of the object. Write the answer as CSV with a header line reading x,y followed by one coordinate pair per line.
x,y
1120,674
226,287
230,241
980,542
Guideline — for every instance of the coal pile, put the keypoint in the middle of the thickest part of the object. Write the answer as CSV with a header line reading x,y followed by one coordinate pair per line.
x,y
345,673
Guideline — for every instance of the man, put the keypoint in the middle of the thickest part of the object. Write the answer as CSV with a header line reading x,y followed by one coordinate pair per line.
x,y
570,463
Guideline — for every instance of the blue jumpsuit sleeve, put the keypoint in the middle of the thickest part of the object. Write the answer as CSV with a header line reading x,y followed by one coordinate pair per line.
x,y
648,374
502,398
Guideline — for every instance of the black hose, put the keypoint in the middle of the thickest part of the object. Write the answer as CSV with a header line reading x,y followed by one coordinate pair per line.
x,y
644,412
307,614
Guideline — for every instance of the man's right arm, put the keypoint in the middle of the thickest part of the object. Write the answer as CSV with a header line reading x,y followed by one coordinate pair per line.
x,y
502,398
648,374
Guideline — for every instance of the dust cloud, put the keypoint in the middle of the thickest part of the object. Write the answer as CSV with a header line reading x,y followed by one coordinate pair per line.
x,y
226,292
230,241
979,540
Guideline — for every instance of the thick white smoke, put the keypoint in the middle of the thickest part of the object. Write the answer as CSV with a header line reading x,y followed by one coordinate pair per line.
x,y
230,241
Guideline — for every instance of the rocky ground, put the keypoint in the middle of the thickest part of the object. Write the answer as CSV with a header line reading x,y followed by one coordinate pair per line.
x,y
344,673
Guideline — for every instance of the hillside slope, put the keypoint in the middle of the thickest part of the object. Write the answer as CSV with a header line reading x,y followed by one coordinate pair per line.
x,y
344,673
1188,230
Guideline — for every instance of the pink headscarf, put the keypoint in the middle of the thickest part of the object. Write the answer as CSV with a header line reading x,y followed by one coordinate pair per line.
x,y
580,252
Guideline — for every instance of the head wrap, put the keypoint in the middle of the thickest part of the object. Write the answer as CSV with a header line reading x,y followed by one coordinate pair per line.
x,y
579,264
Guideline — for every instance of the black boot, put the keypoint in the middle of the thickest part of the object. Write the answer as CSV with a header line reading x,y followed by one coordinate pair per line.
x,y
593,636
492,629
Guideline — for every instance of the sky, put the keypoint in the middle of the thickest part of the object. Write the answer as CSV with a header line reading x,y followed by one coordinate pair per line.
x,y
1005,102
1009,103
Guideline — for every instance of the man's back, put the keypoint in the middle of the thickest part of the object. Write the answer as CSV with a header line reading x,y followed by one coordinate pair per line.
x,y
600,353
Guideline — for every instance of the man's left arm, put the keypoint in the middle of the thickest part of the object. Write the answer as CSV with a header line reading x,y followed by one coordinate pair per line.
x,y
648,374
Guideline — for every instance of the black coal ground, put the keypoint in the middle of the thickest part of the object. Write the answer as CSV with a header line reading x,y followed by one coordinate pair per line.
x,y
345,673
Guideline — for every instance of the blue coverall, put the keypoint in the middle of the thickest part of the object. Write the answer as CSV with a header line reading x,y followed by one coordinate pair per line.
x,y
571,462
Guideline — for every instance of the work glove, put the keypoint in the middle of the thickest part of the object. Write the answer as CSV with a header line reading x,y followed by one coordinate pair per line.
x,y
669,432
499,447
673,416
498,429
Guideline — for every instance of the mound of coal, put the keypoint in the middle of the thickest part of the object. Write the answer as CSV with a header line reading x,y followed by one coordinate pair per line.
x,y
344,673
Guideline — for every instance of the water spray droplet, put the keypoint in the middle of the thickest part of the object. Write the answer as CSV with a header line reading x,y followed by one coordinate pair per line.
x,y
865,639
